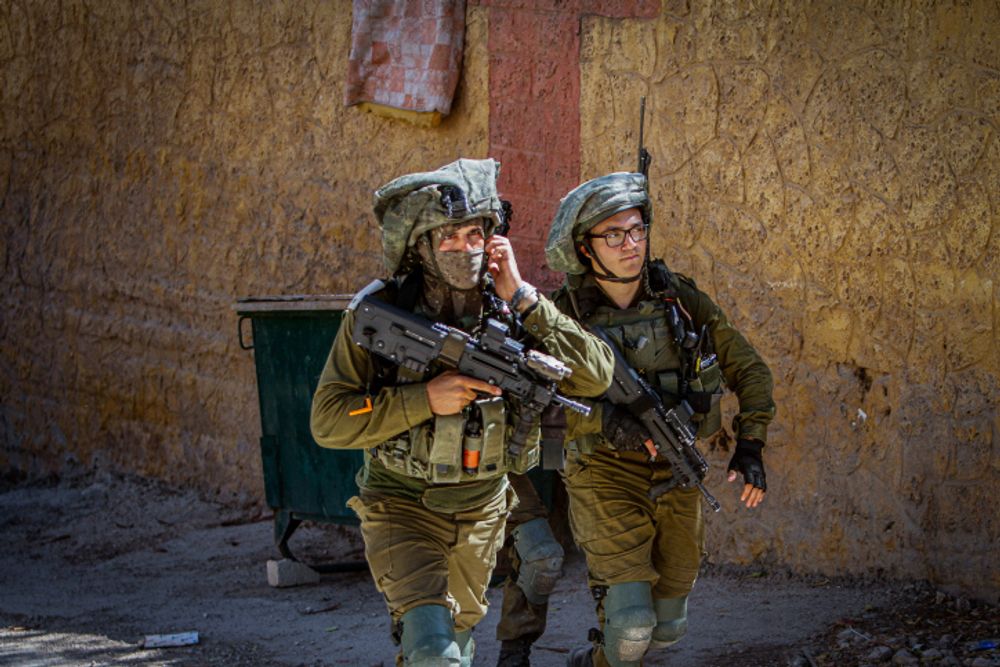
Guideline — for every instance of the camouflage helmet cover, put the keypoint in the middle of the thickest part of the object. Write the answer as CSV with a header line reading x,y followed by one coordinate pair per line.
x,y
584,207
410,205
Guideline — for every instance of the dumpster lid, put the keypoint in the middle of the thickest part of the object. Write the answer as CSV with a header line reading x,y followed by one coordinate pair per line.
x,y
299,302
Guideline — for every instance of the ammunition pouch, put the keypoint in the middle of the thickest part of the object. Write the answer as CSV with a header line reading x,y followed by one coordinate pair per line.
x,y
463,447
704,396
647,342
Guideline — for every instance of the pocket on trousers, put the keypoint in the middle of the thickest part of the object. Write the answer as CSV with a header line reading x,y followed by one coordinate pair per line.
x,y
576,463
376,530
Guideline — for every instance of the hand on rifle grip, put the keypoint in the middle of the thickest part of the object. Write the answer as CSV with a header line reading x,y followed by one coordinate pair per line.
x,y
450,392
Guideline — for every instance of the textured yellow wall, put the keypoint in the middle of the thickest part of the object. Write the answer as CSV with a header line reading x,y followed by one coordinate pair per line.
x,y
157,161
830,173
827,171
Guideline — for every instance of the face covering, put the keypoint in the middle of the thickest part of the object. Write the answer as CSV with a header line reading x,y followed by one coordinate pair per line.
x,y
459,269
451,291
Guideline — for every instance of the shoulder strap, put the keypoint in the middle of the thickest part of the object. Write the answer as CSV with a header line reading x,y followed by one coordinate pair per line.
x,y
373,287
661,282
585,300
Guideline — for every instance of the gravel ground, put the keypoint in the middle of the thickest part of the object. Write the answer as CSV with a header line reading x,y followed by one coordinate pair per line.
x,y
92,564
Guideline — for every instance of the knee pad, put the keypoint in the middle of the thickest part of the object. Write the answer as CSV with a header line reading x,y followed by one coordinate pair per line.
x,y
466,647
671,621
629,620
541,560
428,638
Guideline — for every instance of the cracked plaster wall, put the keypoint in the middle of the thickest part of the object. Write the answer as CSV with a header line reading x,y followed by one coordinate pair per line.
x,y
830,173
158,160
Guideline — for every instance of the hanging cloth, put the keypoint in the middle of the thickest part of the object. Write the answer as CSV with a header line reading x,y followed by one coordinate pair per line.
x,y
406,57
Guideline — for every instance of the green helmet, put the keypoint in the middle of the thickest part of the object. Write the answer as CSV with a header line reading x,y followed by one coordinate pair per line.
x,y
410,205
584,207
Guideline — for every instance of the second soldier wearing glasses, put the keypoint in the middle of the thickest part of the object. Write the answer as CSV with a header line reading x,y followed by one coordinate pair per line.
x,y
643,553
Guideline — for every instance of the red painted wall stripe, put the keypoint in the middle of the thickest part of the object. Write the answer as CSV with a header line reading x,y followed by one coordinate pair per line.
x,y
534,61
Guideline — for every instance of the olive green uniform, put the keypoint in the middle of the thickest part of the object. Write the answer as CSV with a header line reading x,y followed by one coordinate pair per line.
x,y
626,536
432,542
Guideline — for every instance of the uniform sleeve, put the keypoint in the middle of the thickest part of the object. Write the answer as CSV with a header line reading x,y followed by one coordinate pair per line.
x,y
746,373
578,425
565,339
342,389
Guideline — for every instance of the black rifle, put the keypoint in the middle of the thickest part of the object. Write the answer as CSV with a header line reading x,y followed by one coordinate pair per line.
x,y
414,343
672,435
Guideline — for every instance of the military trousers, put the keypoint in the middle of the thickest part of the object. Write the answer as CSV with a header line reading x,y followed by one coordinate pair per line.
x,y
625,535
418,556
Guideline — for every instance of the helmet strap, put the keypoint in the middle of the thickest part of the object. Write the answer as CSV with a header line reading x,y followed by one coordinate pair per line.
x,y
608,275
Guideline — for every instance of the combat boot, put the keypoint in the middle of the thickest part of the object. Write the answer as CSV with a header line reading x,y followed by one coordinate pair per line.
x,y
515,653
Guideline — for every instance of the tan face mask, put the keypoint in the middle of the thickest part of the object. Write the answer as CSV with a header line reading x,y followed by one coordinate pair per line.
x,y
459,269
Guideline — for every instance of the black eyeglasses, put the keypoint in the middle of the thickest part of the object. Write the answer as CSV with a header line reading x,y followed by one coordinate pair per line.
x,y
616,237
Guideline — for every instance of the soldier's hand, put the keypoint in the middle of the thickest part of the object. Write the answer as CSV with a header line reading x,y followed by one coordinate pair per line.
x,y
449,392
502,266
622,429
748,461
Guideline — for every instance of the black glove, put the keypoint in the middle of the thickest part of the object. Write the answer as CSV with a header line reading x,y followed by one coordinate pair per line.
x,y
622,429
747,460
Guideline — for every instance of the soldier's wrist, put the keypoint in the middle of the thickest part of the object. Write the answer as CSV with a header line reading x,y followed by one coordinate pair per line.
x,y
750,445
524,297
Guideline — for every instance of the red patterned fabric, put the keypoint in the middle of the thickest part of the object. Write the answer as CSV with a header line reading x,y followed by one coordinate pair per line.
x,y
406,54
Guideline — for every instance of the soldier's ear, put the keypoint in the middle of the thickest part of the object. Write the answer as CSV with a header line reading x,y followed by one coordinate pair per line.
x,y
582,249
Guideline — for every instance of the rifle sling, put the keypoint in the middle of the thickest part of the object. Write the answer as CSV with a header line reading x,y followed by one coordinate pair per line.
x,y
642,404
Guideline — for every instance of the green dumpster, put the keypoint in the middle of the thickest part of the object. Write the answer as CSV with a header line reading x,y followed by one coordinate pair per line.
x,y
291,338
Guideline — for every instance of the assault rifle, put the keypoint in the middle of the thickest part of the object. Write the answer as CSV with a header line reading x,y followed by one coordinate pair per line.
x,y
414,343
672,434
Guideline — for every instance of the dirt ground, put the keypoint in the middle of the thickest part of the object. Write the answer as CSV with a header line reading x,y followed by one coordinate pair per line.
x,y
91,565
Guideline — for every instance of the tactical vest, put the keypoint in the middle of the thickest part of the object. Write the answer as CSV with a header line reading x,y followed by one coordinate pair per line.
x,y
650,344
447,449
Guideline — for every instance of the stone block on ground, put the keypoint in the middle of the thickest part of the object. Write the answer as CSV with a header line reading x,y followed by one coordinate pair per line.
x,y
286,572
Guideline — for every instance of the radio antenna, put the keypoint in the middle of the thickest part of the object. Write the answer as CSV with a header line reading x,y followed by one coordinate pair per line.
x,y
644,156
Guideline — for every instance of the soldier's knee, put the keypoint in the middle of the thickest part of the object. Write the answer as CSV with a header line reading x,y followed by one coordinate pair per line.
x,y
428,637
629,620
541,558
671,621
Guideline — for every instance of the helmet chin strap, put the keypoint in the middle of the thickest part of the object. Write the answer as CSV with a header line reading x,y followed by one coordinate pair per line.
x,y
608,275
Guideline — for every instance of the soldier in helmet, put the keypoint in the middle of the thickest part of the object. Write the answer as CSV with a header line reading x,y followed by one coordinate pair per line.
x,y
643,554
432,525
